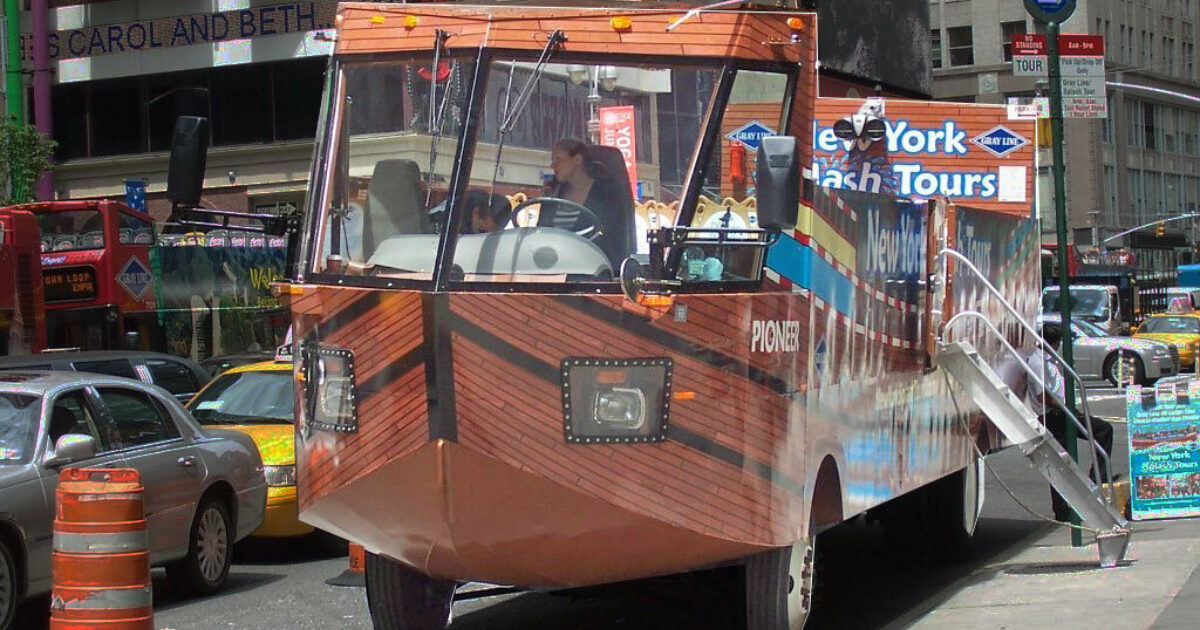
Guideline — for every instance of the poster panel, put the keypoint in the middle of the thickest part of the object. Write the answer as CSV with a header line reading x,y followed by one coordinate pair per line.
x,y
1164,450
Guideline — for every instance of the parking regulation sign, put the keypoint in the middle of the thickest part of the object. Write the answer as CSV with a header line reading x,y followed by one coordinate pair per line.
x,y
1050,10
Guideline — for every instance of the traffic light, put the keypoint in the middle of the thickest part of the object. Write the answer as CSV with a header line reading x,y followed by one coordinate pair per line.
x,y
1160,231
1045,136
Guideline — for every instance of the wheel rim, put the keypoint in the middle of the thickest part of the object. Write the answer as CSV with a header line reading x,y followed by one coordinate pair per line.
x,y
6,588
800,581
212,544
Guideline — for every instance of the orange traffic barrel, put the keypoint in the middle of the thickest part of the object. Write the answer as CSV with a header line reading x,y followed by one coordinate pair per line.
x,y
354,575
101,558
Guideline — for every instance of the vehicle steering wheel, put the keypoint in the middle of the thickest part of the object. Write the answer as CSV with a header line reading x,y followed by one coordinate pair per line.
x,y
592,226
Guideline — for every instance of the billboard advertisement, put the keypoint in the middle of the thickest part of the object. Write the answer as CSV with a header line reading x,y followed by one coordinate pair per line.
x,y
969,154
878,42
216,299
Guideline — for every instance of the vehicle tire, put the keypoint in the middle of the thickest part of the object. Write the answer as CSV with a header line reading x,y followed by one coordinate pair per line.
x,y
402,598
204,570
9,588
779,587
1111,370
939,518
951,507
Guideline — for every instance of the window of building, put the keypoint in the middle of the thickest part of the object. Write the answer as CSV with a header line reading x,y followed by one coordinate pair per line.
x,y
1169,122
246,104
1173,193
1110,196
1133,124
1008,30
1106,127
935,43
1150,127
1137,196
961,46
1189,125
1152,184
1191,196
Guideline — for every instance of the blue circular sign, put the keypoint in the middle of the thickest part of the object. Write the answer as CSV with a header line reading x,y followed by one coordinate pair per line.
x,y
1050,10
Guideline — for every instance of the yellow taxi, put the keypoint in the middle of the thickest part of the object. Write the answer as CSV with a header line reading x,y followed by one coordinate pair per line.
x,y
257,400
1181,329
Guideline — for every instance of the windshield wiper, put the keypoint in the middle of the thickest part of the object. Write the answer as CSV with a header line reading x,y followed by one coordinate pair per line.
x,y
514,109
437,113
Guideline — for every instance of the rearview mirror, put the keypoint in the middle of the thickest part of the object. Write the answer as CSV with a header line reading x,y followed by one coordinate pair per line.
x,y
71,447
778,182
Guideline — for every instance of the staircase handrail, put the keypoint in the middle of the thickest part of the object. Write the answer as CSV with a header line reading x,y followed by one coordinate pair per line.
x,y
1098,454
953,253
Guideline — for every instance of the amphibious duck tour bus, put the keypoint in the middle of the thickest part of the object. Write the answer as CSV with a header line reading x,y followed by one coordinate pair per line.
x,y
612,385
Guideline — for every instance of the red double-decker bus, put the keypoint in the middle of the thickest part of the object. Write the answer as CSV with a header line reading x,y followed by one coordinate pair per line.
x,y
97,281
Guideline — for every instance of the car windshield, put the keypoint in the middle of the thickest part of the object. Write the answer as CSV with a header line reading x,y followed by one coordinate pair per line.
x,y
571,164
1171,326
69,230
246,398
18,428
1088,302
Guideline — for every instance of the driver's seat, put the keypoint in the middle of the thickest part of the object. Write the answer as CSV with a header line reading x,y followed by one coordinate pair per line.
x,y
619,238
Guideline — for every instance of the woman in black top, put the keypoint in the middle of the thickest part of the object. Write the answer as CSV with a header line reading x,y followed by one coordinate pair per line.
x,y
593,176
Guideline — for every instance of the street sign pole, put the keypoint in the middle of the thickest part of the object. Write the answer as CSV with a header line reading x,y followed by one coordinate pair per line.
x,y
1060,218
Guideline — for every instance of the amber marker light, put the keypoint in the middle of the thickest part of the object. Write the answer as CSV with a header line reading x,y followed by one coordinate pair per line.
x,y
795,23
410,22
621,23
377,19
683,396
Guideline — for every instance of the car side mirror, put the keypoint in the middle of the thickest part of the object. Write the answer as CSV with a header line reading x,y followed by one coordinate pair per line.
x,y
778,182
71,447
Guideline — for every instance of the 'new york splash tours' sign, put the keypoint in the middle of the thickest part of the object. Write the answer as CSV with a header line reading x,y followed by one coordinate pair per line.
x,y
971,154
185,30
1164,450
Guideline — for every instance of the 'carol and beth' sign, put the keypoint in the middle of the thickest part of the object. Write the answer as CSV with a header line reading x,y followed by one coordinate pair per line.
x,y
186,30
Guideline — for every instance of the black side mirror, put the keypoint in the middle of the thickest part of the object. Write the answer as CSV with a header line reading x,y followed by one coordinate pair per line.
x,y
778,182
189,156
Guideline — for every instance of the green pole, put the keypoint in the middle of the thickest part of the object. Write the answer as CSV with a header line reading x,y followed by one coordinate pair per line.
x,y
1060,219
16,100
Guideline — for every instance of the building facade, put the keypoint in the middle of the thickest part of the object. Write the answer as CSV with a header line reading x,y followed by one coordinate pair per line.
x,y
1140,164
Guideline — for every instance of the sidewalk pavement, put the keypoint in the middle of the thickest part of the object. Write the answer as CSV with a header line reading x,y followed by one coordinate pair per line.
x,y
1046,583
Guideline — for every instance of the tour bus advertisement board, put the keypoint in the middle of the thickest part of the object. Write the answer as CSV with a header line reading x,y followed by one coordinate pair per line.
x,y
971,154
1164,450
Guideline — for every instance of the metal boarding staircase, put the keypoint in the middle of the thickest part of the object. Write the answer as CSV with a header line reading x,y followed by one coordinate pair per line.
x,y
960,361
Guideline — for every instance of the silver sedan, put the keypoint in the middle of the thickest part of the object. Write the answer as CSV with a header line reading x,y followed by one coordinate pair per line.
x,y
204,489
1097,354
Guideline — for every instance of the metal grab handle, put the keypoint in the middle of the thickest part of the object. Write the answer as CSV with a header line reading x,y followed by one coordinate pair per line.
x,y
1098,454
953,253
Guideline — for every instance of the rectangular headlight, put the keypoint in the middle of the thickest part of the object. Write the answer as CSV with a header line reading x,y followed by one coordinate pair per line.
x,y
616,401
329,388
278,476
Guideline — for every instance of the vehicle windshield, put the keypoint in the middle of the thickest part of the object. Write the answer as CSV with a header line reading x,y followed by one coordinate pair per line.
x,y
246,398
572,164
18,428
1171,326
1088,329
1084,302
70,230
